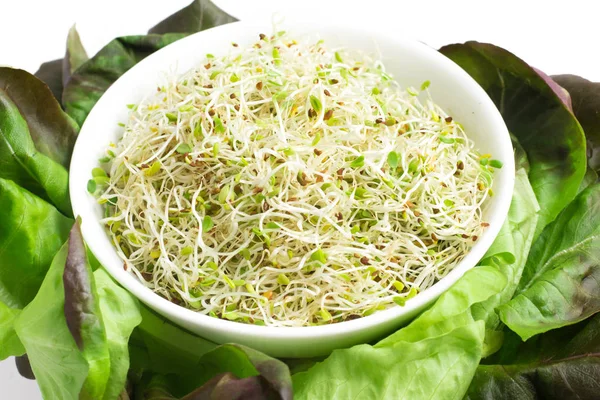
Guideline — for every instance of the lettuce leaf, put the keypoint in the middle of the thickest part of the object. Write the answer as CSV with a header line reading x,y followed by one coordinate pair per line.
x,y
10,345
508,253
159,346
83,317
562,364
168,361
199,15
560,280
434,357
121,314
56,73
36,138
31,232
50,72
89,82
228,371
235,371
75,55
93,78
72,351
58,365
585,96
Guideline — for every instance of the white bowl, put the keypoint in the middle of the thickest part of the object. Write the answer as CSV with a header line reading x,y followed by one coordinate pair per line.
x,y
410,62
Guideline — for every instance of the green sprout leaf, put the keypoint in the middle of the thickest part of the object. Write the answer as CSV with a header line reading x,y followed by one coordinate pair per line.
x,y
319,255
276,56
358,162
184,148
154,168
315,103
91,186
392,159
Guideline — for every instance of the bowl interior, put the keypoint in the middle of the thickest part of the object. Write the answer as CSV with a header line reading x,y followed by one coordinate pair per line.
x,y
411,63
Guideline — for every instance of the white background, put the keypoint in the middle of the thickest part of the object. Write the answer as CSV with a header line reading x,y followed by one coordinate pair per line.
x,y
555,36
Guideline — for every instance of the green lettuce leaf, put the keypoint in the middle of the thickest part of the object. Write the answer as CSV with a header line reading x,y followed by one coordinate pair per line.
x,y
589,179
560,282
31,232
59,367
510,249
121,314
161,347
90,81
10,345
562,364
433,357
36,138
536,116
199,15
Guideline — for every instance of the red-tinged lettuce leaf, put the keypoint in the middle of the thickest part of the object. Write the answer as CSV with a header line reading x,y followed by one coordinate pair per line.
x,y
83,315
272,375
227,386
586,106
50,73
229,371
31,232
56,73
75,55
51,130
558,90
234,371
59,367
24,367
560,282
36,138
536,116
199,15
10,345
562,364
94,77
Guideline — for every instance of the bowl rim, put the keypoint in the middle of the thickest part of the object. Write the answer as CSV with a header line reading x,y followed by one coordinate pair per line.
x,y
78,196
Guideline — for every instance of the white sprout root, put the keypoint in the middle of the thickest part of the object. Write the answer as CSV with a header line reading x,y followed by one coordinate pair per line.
x,y
286,184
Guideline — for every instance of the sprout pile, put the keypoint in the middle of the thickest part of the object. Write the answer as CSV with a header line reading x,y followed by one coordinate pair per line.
x,y
288,184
